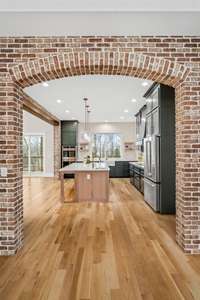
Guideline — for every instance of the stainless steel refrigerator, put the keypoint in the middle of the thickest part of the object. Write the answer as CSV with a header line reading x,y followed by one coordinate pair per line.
x,y
152,171
159,149
152,160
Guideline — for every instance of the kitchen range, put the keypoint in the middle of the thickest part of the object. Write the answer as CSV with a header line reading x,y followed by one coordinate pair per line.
x,y
154,174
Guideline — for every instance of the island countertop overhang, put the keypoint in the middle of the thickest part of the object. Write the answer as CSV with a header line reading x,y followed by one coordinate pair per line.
x,y
82,167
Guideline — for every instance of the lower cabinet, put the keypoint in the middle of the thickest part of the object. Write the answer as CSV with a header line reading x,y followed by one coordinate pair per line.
x,y
112,173
120,170
142,185
137,177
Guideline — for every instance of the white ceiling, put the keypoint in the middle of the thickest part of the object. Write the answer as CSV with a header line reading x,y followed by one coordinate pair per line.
x,y
108,96
103,5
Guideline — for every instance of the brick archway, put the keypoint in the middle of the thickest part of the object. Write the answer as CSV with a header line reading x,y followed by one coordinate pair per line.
x,y
108,63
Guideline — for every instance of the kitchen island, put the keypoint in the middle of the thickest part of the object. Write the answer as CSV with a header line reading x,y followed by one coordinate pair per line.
x,y
91,181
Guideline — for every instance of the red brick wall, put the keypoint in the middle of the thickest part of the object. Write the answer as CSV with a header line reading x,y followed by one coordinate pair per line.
x,y
171,60
11,201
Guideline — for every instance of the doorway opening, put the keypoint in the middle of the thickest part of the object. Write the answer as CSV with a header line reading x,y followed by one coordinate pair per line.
x,y
134,65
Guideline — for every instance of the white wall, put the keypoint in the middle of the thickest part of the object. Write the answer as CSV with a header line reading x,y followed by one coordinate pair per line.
x,y
34,125
103,24
126,130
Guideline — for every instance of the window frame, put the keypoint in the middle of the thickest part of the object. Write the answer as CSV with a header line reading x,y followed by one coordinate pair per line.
x,y
109,133
30,173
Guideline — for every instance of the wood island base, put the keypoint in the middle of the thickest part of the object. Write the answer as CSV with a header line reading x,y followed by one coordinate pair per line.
x,y
91,184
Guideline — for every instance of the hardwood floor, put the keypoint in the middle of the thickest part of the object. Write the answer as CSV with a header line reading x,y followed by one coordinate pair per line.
x,y
119,250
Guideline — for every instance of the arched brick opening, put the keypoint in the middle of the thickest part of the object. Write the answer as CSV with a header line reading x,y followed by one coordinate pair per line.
x,y
127,64
106,63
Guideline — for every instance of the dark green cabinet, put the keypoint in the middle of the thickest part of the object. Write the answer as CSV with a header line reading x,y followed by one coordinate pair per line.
x,y
140,123
120,169
69,142
160,126
69,133
137,177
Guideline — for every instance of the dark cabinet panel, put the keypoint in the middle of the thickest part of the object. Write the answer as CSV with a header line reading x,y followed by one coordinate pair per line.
x,y
137,177
155,99
148,104
161,125
148,125
68,138
69,131
155,115
141,123
120,170
69,135
112,172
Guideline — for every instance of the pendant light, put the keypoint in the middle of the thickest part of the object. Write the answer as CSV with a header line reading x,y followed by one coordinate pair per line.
x,y
86,134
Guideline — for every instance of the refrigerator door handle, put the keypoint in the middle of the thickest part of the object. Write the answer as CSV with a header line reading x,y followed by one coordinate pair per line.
x,y
148,157
154,174
150,163
158,157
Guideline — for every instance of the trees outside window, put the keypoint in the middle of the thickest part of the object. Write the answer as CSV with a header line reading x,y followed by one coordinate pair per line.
x,y
33,154
107,145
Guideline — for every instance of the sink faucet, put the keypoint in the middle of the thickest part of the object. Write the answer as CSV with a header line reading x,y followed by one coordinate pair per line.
x,y
92,161
106,155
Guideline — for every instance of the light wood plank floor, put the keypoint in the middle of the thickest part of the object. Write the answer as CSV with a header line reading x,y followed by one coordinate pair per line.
x,y
119,250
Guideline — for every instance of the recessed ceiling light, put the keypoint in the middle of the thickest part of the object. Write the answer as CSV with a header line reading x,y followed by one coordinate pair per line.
x,y
45,84
133,100
145,83
67,111
122,118
126,110
58,101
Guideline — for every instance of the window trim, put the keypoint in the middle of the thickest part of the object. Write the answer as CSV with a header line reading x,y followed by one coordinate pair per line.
x,y
117,133
29,173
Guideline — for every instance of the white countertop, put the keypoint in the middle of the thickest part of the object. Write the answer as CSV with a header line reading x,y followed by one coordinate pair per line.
x,y
82,167
137,164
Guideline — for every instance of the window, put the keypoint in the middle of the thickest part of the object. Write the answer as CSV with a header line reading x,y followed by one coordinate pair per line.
x,y
107,145
33,154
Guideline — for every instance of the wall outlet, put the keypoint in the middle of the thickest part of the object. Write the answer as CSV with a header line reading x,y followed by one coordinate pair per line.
x,y
88,176
3,172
